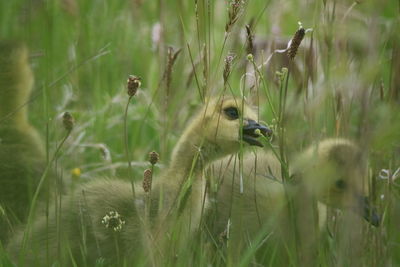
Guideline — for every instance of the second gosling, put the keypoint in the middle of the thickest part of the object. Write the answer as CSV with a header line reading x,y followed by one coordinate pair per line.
x,y
256,212
22,153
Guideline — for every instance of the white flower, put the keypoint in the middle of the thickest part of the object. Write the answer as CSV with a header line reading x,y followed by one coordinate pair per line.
x,y
113,220
384,174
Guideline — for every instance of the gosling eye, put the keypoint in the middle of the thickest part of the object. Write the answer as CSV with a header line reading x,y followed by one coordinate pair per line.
x,y
232,113
341,184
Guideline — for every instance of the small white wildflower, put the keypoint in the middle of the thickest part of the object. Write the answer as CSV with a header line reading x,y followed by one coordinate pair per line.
x,y
384,174
113,220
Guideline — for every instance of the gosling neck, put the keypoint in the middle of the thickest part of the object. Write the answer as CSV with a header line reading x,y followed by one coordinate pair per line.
x,y
15,89
13,107
15,116
192,154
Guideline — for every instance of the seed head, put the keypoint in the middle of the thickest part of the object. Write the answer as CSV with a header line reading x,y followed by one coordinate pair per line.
x,y
172,56
133,84
153,157
250,39
68,121
234,12
147,179
295,42
228,66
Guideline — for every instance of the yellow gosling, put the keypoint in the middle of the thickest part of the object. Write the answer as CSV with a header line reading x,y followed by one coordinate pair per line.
x,y
331,172
22,155
102,220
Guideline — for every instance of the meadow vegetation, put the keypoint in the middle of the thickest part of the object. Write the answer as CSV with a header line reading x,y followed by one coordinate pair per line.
x,y
338,77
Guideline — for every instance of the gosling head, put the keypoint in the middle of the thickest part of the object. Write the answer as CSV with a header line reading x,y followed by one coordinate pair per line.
x,y
334,172
228,121
225,123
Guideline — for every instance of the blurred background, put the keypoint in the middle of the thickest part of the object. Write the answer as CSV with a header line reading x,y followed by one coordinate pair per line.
x,y
343,82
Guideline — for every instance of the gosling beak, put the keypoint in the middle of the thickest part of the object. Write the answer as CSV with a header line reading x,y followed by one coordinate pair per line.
x,y
250,135
368,212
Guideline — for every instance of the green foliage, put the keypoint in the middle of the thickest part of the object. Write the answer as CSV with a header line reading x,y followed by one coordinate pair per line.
x,y
343,82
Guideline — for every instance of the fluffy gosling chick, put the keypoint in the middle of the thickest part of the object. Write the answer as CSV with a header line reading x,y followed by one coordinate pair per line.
x,y
335,172
331,172
84,228
22,156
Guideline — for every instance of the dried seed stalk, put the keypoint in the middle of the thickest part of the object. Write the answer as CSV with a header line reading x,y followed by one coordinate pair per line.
x,y
228,66
236,7
295,42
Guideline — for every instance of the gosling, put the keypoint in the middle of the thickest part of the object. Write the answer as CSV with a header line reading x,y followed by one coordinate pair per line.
x,y
22,154
331,172
101,220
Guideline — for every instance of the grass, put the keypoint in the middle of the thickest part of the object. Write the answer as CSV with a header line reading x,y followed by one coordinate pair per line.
x,y
344,82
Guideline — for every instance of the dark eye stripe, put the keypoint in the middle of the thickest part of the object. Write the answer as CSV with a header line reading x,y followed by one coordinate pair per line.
x,y
232,113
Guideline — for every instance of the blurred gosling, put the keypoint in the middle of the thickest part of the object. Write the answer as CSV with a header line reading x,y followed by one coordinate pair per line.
x,y
331,172
22,154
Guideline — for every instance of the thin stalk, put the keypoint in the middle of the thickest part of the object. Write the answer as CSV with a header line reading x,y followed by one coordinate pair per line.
x,y
255,191
269,98
39,187
117,248
127,152
195,74
241,145
285,167
196,11
48,192
285,171
281,122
